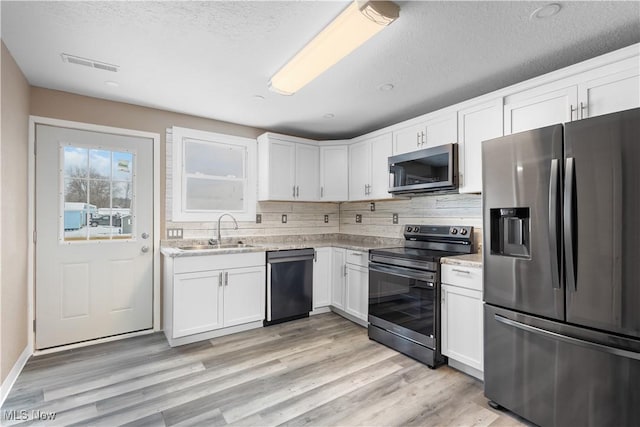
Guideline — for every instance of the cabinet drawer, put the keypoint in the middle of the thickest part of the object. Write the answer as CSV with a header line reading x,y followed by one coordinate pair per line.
x,y
463,276
190,264
358,258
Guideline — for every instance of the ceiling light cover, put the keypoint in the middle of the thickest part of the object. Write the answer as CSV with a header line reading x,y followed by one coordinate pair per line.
x,y
355,25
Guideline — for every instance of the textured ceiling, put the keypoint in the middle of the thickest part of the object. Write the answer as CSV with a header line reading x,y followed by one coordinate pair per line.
x,y
211,58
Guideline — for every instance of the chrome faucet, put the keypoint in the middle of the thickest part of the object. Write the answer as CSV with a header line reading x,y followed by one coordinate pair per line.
x,y
219,218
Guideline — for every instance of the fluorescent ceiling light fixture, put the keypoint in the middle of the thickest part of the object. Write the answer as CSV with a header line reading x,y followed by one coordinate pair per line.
x,y
360,21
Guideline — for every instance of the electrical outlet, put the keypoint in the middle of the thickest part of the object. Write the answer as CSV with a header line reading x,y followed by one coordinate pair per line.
x,y
326,219
358,218
258,218
395,218
372,206
284,218
174,233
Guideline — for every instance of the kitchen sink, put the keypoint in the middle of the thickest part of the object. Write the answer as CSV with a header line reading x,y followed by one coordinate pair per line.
x,y
215,247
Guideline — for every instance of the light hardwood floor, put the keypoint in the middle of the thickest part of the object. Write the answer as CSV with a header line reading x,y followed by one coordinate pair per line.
x,y
317,371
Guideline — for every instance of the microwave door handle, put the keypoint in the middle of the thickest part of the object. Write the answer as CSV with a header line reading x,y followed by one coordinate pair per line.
x,y
553,224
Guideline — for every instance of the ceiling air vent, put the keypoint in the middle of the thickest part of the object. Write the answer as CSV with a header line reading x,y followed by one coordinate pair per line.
x,y
89,63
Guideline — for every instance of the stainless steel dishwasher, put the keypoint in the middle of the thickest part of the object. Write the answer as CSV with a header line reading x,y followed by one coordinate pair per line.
x,y
289,285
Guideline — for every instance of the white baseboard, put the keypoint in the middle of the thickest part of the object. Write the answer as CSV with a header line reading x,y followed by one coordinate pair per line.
x,y
319,310
7,384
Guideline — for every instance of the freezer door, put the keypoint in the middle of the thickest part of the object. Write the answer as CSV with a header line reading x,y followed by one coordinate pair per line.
x,y
521,194
602,222
554,374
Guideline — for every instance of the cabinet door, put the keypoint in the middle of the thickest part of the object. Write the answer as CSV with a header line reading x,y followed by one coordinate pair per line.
x,y
359,166
410,138
282,161
379,181
197,302
338,274
244,295
441,130
476,124
307,173
615,92
461,324
357,290
334,173
540,109
322,278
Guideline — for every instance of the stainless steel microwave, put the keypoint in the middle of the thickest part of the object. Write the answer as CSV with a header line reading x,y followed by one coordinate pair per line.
x,y
426,170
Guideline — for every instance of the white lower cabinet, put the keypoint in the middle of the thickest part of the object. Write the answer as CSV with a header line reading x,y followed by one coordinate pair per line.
x,y
322,278
338,277
212,295
356,298
462,318
350,284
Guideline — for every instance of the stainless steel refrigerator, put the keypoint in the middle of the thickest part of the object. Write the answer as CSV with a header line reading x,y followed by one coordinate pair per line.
x,y
561,213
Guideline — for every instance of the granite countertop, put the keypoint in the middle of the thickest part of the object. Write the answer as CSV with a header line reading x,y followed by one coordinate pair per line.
x,y
359,243
469,260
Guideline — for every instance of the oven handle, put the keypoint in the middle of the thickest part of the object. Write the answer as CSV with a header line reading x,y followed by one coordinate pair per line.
x,y
430,278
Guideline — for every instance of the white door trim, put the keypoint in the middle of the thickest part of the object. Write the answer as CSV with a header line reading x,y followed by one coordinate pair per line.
x,y
33,121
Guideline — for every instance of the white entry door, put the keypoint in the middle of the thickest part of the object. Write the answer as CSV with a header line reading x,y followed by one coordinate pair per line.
x,y
94,228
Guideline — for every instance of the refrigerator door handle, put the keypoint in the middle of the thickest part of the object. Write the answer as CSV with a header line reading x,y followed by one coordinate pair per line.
x,y
569,248
553,224
571,340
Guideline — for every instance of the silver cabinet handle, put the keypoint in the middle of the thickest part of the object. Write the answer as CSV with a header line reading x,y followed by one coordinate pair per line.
x,y
220,279
145,235
226,278
315,256
294,191
297,191
144,249
345,270
571,110
418,139
321,191
424,137
583,107
460,271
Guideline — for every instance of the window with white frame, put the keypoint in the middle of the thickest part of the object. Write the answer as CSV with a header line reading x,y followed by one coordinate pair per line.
x,y
213,173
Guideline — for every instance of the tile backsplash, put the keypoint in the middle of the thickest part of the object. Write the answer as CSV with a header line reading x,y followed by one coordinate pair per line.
x,y
304,218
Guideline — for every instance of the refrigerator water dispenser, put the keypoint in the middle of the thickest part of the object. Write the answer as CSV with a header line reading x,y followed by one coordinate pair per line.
x,y
510,232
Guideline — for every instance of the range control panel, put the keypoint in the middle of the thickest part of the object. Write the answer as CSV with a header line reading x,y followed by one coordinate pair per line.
x,y
426,231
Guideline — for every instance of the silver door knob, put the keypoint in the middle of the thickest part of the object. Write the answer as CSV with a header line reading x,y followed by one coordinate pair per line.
x,y
145,235
145,249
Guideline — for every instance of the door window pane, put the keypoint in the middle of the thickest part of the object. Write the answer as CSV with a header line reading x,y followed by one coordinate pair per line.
x,y
98,194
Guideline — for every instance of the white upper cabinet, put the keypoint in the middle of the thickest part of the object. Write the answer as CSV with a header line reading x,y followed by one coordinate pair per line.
x,y
307,172
476,124
288,169
614,92
602,90
369,168
437,130
334,173
540,108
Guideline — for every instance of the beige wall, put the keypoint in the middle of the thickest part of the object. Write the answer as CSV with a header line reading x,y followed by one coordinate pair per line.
x,y
67,106
13,213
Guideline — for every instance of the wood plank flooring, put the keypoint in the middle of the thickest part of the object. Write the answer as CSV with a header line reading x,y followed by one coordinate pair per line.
x,y
317,371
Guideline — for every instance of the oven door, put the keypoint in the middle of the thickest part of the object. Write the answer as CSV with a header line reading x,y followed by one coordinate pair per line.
x,y
404,301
